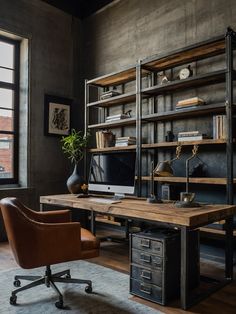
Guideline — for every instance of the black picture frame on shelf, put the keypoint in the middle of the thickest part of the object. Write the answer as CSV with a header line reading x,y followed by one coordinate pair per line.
x,y
57,115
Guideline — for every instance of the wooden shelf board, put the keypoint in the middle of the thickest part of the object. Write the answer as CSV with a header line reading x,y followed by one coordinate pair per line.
x,y
116,78
117,100
107,221
114,148
194,81
113,124
189,143
215,231
188,54
219,181
185,113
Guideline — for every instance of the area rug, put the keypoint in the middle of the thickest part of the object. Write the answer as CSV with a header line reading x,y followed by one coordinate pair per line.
x,y
110,293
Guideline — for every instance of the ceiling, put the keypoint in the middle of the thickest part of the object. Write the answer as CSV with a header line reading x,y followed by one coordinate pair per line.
x,y
79,8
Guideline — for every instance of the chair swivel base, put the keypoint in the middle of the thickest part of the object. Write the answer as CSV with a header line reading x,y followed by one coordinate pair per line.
x,y
49,280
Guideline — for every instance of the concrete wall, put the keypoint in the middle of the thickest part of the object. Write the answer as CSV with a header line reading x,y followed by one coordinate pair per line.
x,y
134,29
53,48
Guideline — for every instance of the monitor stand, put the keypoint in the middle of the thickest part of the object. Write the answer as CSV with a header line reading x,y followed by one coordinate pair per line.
x,y
118,196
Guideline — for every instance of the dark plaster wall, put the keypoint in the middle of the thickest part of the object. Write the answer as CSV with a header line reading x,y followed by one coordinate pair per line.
x,y
54,51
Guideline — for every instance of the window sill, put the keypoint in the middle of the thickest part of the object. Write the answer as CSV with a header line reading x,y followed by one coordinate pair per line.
x,y
12,187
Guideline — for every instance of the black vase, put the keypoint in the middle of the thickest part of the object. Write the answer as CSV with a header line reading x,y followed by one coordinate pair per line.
x,y
75,182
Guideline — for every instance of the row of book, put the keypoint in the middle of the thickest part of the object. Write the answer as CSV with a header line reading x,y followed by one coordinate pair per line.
x,y
104,139
117,117
219,127
191,136
109,94
125,141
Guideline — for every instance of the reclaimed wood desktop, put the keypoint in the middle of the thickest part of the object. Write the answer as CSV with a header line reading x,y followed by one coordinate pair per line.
x,y
167,214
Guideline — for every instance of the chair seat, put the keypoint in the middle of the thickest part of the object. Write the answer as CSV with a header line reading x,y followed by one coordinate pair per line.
x,y
88,240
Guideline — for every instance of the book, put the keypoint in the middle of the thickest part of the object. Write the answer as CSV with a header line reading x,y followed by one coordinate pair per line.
x,y
124,144
126,138
189,133
109,94
194,101
192,138
117,117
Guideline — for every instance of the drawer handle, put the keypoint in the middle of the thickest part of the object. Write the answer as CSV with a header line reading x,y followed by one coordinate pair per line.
x,y
145,258
145,243
146,274
145,289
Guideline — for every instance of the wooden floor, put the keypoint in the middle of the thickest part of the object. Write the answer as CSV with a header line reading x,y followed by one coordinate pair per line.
x,y
115,255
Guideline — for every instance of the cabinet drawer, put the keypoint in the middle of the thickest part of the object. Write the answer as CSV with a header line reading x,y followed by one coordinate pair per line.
x,y
142,243
146,291
146,259
146,275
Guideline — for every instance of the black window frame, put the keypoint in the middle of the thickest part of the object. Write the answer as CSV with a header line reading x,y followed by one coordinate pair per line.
x,y
15,132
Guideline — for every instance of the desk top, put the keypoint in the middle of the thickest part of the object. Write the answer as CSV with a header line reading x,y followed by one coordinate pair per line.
x,y
139,209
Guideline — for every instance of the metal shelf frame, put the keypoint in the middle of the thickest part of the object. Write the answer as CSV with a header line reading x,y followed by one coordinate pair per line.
x,y
221,45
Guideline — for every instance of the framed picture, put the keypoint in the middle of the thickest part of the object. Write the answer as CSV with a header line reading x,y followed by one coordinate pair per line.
x,y
57,115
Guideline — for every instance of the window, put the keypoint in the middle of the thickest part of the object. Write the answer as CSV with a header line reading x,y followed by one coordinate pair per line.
x,y
9,110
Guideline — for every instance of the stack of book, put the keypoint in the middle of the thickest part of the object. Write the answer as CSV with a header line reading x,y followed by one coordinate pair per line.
x,y
104,139
125,141
219,127
117,117
109,94
190,102
191,136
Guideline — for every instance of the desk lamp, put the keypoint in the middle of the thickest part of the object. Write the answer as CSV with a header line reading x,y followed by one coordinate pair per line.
x,y
186,198
164,169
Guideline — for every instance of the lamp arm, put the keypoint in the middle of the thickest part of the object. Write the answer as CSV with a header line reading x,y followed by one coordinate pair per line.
x,y
194,154
187,171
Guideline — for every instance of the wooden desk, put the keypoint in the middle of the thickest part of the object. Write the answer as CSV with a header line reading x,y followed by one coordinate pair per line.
x,y
165,214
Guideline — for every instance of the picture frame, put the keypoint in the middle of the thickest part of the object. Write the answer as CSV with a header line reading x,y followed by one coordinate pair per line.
x,y
57,115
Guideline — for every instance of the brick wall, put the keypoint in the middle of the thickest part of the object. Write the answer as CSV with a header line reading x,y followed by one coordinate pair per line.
x,y
5,146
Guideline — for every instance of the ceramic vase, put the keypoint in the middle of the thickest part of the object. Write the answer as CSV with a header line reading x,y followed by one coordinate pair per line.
x,y
75,181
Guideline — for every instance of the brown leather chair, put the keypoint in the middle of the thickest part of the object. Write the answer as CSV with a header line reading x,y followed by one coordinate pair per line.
x,y
46,238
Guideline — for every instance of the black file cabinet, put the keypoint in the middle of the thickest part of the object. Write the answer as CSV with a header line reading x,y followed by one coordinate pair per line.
x,y
155,264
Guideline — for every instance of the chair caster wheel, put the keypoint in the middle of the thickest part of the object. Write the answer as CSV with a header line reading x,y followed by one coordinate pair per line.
x,y
59,304
16,283
13,300
88,289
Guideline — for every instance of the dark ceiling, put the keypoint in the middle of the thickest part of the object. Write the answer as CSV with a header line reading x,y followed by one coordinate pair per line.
x,y
79,8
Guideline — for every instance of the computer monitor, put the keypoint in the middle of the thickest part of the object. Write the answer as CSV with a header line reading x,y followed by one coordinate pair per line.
x,y
113,172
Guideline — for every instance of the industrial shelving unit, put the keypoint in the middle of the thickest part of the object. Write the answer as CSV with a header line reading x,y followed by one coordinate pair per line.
x,y
145,72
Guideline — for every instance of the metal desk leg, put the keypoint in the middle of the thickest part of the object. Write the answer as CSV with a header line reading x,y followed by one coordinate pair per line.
x,y
184,291
93,222
229,248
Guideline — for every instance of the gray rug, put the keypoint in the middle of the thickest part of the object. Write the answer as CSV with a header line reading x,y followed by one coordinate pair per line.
x,y
110,293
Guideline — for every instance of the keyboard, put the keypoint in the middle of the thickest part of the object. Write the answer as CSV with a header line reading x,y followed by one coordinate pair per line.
x,y
103,200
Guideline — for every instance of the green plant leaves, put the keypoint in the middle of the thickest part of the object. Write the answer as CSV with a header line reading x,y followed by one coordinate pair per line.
x,y
74,145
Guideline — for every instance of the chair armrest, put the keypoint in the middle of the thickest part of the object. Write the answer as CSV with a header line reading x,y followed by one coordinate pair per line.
x,y
54,216
52,243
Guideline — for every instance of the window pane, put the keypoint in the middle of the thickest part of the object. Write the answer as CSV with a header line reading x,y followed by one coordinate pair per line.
x,y
6,55
6,98
6,120
6,156
6,75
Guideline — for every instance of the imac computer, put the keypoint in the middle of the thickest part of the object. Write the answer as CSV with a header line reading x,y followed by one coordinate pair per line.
x,y
113,172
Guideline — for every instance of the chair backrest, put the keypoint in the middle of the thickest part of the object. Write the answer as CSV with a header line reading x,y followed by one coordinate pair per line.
x,y
19,229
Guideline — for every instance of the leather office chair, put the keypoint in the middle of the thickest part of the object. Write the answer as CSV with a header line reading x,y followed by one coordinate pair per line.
x,y
46,238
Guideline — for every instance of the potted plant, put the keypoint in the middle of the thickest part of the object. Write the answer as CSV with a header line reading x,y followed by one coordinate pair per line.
x,y
74,145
